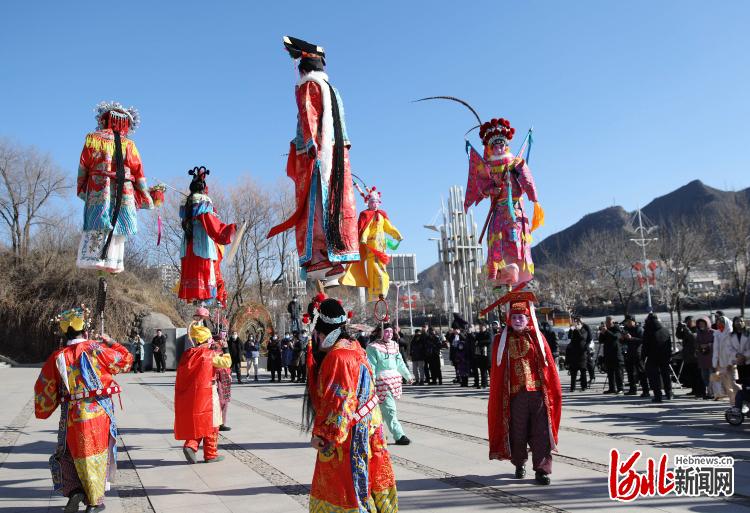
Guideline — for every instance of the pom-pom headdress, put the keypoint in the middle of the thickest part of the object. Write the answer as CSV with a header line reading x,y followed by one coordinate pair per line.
x,y
113,115
496,129
368,193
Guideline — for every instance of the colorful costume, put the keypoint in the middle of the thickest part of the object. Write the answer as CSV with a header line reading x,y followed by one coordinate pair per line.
x,y
79,379
197,410
389,368
111,182
324,219
370,270
505,179
203,243
525,395
353,471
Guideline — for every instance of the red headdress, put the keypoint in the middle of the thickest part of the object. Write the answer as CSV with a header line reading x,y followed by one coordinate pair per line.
x,y
494,129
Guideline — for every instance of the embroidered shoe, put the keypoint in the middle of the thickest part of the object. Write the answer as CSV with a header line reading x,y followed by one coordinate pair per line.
x,y
189,455
403,441
215,460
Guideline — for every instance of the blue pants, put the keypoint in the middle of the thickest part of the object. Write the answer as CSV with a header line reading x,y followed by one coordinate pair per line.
x,y
388,410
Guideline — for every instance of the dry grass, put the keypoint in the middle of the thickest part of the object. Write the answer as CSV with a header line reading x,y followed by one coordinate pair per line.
x,y
35,289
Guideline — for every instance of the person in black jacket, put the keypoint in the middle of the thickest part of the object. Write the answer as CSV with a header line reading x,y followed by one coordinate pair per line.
x,y
159,348
417,353
576,354
274,358
480,360
633,338
657,347
614,359
433,345
691,374
551,338
235,351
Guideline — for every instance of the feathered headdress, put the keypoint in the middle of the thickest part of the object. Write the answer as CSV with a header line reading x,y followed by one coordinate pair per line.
x,y
368,193
489,131
113,115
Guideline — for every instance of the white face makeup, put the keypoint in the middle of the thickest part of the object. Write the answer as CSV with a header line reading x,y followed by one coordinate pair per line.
x,y
388,334
373,203
519,322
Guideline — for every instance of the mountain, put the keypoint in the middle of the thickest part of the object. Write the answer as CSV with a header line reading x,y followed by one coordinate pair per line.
x,y
680,204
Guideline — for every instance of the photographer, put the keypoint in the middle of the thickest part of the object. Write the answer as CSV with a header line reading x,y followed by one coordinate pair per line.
x,y
633,337
576,354
690,373
614,359
657,348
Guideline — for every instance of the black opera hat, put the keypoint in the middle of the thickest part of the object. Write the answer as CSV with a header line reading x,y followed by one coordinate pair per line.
x,y
300,49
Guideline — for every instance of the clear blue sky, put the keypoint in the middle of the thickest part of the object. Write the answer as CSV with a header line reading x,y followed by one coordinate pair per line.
x,y
629,100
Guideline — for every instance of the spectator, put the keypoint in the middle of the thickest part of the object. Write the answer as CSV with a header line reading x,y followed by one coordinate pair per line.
x,y
433,347
480,359
633,337
295,310
287,352
235,351
725,358
461,349
704,350
551,338
741,338
274,358
136,347
576,354
417,354
297,361
690,373
159,345
252,356
657,348
614,359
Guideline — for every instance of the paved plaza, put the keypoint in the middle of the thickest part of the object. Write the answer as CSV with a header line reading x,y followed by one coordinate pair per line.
x,y
269,463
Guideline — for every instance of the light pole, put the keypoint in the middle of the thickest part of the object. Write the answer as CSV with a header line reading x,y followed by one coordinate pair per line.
x,y
644,241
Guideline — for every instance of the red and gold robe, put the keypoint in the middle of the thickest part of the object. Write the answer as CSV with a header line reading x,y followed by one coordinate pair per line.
x,y
312,179
200,272
87,428
353,473
541,370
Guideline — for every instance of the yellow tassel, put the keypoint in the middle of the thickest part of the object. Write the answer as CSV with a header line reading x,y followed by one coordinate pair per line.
x,y
538,217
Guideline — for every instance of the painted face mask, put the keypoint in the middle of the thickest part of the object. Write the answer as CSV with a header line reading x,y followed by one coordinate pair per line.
x,y
519,322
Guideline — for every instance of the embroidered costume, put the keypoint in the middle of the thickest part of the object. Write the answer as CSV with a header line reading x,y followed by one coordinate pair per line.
x,y
389,368
324,218
112,183
197,409
373,226
525,394
203,240
353,471
79,379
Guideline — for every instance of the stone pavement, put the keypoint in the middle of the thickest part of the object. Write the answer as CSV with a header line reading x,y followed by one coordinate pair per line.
x,y
269,463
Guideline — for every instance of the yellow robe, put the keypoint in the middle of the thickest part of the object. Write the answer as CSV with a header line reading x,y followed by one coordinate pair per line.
x,y
370,272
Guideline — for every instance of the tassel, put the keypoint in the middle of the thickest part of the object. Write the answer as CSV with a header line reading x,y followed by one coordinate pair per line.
x,y
538,216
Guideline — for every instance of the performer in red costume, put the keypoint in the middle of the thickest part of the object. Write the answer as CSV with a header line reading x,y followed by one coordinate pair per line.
x,y
79,379
325,220
203,243
525,395
197,412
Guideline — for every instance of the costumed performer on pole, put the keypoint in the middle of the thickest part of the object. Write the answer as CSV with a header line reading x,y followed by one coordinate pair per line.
x,y
325,216
203,241
197,410
389,368
112,184
353,469
79,379
370,271
525,394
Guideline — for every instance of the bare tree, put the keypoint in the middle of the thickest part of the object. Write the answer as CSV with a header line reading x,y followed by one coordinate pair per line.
x,y
28,183
608,256
733,244
681,247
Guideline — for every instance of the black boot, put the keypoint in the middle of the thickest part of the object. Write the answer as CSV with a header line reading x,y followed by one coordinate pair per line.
x,y
541,478
403,440
520,472
94,509
74,501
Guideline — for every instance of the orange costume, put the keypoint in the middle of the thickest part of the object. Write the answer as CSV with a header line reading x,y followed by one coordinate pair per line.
x,y
79,379
197,413
353,473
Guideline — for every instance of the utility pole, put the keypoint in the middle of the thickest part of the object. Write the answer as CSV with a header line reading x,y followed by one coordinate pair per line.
x,y
642,240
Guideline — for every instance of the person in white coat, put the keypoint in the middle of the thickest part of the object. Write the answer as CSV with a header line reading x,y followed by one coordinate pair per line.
x,y
741,346
725,357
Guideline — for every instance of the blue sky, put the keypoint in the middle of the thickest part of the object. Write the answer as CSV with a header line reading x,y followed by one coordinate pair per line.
x,y
629,100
